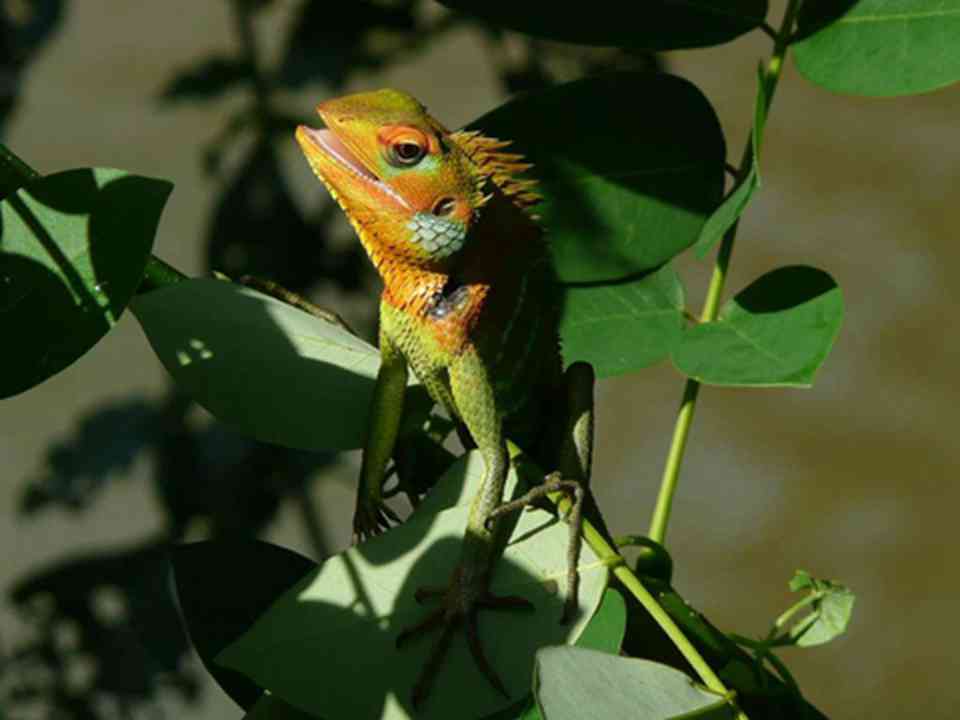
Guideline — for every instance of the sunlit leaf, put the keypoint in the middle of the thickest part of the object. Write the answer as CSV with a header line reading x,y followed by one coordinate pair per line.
x,y
327,646
830,609
776,332
572,683
262,367
879,47
625,326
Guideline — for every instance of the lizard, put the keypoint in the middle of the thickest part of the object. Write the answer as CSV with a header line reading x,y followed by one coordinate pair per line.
x,y
469,304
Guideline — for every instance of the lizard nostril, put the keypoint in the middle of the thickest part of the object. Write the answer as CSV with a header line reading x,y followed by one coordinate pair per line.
x,y
444,206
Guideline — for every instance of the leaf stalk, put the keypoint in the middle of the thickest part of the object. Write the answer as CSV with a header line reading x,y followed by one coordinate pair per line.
x,y
711,305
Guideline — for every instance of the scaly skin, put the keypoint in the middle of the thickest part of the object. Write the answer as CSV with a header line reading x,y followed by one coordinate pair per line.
x,y
468,304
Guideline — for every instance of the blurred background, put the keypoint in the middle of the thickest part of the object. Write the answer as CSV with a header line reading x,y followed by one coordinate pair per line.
x,y
104,465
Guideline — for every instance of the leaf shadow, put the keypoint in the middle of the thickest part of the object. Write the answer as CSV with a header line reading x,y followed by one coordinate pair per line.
x,y
815,15
340,658
784,288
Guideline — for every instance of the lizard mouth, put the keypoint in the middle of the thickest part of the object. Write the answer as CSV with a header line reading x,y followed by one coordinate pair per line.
x,y
333,149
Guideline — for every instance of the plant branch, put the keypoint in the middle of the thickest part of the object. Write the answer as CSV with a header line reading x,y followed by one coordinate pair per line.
x,y
711,306
610,557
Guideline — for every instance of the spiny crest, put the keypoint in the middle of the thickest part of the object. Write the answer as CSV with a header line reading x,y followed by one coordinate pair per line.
x,y
502,168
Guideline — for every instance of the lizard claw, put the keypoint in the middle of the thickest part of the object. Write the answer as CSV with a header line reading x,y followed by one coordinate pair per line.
x,y
460,607
372,518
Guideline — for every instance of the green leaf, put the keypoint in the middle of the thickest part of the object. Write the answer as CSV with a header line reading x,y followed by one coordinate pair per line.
x,y
262,367
777,332
656,25
572,683
219,602
73,247
733,206
604,632
270,707
879,48
831,607
622,327
629,166
327,646
755,685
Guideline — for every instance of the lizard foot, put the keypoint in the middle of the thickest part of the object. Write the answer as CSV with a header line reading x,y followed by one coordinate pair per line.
x,y
554,482
371,518
460,605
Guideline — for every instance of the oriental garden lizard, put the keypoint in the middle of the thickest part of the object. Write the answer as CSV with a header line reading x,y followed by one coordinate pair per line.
x,y
470,305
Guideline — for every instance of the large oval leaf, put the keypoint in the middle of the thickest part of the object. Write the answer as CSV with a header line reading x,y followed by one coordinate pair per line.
x,y
604,632
223,586
327,646
622,327
73,247
879,47
261,366
572,683
776,332
629,165
654,24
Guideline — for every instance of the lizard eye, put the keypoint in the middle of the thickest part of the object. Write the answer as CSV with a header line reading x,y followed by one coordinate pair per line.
x,y
405,153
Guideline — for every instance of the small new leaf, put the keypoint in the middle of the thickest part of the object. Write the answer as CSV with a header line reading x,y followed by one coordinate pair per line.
x,y
830,608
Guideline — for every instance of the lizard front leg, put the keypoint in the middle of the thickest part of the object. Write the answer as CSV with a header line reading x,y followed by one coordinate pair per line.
x,y
372,516
468,590
574,443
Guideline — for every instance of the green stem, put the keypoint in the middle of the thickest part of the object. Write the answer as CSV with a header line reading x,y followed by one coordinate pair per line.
x,y
711,306
615,561
787,615
15,173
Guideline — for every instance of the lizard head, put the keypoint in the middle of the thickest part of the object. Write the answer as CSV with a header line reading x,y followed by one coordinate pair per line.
x,y
411,189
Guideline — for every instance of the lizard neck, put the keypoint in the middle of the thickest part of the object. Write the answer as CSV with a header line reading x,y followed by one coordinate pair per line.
x,y
481,284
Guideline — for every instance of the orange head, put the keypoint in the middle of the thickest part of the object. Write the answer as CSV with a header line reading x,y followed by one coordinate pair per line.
x,y
411,189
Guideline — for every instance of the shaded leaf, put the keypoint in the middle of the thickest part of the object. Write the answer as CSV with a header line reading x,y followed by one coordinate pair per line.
x,y
270,707
629,166
327,646
654,25
776,332
73,247
733,206
622,327
209,79
571,683
879,47
604,632
831,607
262,367
218,602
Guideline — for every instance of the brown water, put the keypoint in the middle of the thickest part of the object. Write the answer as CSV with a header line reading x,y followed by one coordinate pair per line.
x,y
853,480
